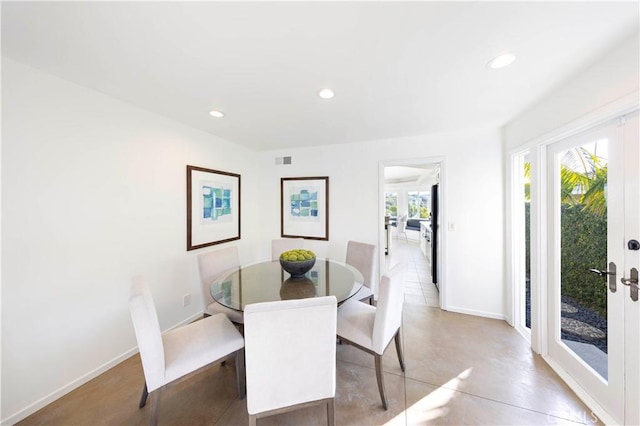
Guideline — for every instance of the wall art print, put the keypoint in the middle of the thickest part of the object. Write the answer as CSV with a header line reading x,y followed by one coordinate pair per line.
x,y
213,207
305,207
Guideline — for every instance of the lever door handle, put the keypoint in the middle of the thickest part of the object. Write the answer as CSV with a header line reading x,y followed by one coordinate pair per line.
x,y
601,273
611,274
632,283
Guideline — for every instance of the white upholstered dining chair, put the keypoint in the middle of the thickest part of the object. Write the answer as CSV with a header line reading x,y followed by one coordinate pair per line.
x,y
280,245
371,328
401,227
210,266
183,350
362,256
290,355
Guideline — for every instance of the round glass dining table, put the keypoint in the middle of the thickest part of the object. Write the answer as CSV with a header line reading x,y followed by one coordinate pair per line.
x,y
267,282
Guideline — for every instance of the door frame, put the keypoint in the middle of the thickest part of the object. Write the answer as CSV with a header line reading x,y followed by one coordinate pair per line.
x,y
632,259
442,215
515,233
537,147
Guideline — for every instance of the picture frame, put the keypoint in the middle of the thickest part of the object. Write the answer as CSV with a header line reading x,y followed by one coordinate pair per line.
x,y
304,207
213,207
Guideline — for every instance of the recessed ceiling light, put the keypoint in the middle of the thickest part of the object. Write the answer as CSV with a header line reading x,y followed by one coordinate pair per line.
x,y
502,61
326,94
215,113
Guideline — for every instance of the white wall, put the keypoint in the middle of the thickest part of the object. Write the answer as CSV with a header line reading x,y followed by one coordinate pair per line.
x,y
472,179
93,192
610,81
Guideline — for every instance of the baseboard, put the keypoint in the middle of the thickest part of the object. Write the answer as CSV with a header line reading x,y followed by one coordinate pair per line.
x,y
476,313
74,384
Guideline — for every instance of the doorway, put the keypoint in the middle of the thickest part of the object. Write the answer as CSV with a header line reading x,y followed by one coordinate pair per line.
x,y
407,194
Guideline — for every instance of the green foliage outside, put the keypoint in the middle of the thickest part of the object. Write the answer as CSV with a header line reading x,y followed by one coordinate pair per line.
x,y
418,205
391,204
584,246
583,178
424,212
583,238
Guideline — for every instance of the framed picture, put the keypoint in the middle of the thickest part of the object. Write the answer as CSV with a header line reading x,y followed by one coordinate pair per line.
x,y
213,207
304,203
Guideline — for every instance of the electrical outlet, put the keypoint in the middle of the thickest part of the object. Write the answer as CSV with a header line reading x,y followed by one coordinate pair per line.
x,y
186,300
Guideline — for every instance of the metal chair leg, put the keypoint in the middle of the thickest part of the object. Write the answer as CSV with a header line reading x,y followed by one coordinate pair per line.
x,y
240,374
399,349
383,394
143,397
331,412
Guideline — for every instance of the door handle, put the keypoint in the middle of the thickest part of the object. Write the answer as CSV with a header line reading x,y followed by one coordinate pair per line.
x,y
611,273
632,283
600,272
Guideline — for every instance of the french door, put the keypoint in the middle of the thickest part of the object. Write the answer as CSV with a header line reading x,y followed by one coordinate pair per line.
x,y
592,190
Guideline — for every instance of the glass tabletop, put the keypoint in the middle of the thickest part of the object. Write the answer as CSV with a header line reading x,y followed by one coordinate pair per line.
x,y
267,282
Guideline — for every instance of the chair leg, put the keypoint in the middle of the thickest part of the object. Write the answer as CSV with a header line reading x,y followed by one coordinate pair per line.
x,y
240,374
252,419
383,394
155,406
143,397
399,349
331,412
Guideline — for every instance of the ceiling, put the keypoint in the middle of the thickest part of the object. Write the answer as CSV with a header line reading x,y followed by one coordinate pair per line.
x,y
397,68
422,175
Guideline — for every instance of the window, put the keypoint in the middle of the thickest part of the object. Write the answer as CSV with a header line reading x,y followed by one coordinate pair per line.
x,y
418,204
391,204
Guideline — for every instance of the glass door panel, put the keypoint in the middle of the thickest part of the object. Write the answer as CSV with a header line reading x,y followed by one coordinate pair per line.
x,y
583,252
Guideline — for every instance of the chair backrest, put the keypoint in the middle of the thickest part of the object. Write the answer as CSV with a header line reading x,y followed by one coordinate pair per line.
x,y
148,334
290,350
402,224
280,245
389,307
211,265
362,256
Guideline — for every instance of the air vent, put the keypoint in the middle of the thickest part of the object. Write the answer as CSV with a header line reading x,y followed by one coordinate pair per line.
x,y
283,160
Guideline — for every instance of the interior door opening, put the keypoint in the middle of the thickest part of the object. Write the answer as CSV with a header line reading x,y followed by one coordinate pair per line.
x,y
412,212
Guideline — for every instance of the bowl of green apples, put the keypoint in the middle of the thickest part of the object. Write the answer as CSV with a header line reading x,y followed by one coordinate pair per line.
x,y
297,262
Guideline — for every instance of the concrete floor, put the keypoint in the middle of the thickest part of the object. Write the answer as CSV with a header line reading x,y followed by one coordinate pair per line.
x,y
460,370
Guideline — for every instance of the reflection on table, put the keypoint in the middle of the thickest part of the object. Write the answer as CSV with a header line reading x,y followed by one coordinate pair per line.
x,y
267,281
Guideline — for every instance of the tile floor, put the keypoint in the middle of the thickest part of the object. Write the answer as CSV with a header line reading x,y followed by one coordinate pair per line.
x,y
460,370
